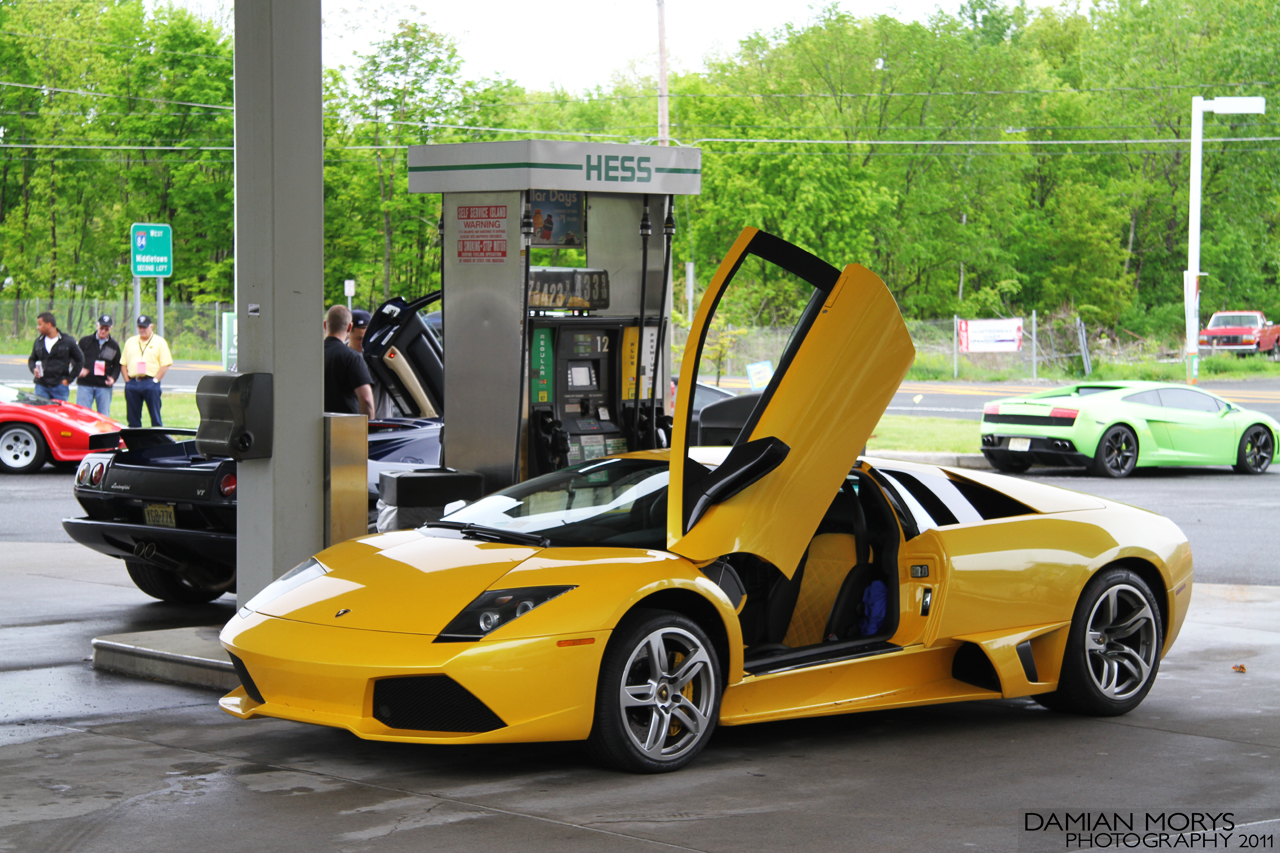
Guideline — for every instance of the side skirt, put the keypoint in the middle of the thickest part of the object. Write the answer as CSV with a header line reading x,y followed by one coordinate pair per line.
x,y
897,678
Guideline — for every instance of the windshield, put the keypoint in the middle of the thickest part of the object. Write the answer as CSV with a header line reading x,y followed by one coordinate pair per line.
x,y
9,394
1220,321
619,503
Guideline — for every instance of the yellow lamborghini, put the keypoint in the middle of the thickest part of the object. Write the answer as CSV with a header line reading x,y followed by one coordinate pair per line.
x,y
638,601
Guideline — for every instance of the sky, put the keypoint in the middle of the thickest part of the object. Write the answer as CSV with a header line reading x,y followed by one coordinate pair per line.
x,y
574,44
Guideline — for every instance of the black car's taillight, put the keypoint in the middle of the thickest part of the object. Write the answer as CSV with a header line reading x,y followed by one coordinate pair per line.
x,y
227,485
96,477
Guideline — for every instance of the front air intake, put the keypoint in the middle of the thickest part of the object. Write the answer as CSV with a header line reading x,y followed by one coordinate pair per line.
x,y
431,703
246,681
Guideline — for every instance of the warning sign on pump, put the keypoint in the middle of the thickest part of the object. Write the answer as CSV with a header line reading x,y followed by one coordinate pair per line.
x,y
482,234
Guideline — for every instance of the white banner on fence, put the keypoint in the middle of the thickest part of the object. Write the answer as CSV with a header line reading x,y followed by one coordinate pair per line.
x,y
991,335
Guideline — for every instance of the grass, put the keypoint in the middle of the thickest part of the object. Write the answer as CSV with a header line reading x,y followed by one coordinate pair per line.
x,y
178,410
931,435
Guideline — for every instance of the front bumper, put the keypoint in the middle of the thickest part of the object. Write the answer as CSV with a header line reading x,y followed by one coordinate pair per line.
x,y
1058,452
174,546
327,675
1211,349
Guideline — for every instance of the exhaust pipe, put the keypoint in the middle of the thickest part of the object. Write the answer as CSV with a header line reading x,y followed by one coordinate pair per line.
x,y
147,551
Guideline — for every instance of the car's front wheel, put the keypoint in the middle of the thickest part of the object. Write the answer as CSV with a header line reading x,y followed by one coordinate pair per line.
x,y
22,449
659,694
1117,453
167,586
1113,648
1257,449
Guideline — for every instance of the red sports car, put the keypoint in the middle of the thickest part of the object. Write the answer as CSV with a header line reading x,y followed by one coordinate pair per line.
x,y
34,430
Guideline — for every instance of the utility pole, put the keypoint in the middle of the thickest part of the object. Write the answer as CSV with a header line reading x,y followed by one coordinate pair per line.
x,y
664,119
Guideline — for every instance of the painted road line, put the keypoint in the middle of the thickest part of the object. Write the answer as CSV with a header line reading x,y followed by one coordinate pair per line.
x,y
930,409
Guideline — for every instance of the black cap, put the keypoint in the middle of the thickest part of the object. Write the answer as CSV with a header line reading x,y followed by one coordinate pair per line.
x,y
105,320
143,321
360,318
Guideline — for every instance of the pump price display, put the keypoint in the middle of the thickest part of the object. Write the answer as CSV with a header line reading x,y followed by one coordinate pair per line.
x,y
482,234
568,288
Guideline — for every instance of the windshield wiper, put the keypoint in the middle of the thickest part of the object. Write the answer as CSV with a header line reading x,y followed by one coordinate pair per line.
x,y
491,534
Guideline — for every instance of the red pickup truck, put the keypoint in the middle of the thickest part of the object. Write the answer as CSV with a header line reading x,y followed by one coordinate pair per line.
x,y
1241,332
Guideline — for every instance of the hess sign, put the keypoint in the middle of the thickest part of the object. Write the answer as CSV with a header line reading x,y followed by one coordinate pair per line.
x,y
151,250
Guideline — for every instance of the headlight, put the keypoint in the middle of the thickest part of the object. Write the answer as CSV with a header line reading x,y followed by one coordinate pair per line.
x,y
496,608
292,579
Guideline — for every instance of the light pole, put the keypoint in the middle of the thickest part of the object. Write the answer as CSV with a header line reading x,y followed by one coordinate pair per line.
x,y
1191,276
664,121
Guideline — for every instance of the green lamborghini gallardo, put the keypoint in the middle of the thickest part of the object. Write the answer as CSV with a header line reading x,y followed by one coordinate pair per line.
x,y
1114,427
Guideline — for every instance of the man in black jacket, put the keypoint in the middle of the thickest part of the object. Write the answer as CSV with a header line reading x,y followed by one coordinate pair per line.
x,y
101,368
55,360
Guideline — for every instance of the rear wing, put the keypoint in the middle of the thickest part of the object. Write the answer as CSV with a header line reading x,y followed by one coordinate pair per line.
x,y
137,439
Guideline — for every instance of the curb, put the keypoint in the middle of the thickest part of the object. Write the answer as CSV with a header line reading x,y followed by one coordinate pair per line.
x,y
181,655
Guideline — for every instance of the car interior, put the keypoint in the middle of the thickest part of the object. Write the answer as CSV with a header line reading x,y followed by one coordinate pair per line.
x,y
842,600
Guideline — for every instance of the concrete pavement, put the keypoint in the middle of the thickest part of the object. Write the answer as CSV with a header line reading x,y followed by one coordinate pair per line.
x,y
98,762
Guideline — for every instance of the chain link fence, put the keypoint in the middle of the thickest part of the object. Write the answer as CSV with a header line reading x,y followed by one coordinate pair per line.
x,y
1057,344
191,329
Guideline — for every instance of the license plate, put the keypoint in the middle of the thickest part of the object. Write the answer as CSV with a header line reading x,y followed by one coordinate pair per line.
x,y
160,515
1018,445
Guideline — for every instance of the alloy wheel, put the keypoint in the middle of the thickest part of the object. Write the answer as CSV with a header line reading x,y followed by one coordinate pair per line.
x,y
1119,451
667,694
1121,643
1259,448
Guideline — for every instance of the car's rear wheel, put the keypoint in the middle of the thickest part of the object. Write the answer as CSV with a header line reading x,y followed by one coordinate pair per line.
x,y
659,694
167,586
1275,351
1113,649
1257,449
22,449
1117,453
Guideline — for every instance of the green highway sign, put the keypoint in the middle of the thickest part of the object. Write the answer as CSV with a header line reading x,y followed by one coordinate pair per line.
x,y
151,250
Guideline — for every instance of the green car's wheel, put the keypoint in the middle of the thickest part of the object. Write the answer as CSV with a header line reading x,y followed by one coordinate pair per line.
x,y
1117,453
1257,449
659,694
1113,649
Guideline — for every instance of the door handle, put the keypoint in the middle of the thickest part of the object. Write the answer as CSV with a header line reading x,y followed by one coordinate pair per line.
x,y
926,601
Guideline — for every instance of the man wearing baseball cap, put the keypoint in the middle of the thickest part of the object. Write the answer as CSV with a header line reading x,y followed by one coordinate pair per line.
x,y
101,368
360,320
146,360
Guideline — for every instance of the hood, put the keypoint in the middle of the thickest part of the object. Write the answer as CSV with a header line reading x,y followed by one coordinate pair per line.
x,y
846,358
86,419
409,582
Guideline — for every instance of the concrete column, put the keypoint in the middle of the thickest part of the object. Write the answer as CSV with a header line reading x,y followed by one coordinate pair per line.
x,y
279,289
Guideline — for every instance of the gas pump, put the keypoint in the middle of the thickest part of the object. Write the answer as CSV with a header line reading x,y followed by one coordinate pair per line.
x,y
553,365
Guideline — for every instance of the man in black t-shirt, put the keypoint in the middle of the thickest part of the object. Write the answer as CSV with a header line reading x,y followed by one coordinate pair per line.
x,y
346,379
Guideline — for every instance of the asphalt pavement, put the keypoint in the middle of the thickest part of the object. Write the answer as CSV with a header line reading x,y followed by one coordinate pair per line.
x,y
182,376
964,399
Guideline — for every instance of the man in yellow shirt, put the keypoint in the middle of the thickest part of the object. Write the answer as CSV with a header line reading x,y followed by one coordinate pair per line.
x,y
144,363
